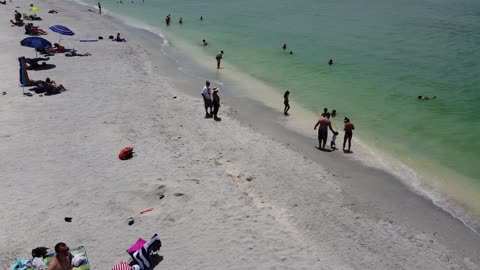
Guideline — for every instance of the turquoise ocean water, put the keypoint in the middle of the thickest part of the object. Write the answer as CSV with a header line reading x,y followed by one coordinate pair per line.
x,y
386,53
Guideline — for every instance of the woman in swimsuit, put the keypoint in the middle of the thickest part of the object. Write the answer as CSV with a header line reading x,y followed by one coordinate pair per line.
x,y
286,103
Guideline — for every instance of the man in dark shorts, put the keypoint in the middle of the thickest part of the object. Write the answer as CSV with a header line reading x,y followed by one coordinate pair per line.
x,y
348,128
324,124
207,99
219,58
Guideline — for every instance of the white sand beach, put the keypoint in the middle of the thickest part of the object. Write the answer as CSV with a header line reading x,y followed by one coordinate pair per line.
x,y
234,197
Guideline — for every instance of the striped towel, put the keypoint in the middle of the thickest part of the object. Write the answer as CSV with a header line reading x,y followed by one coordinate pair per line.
x,y
122,266
142,256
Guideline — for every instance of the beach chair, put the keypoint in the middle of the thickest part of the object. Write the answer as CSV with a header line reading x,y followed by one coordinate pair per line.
x,y
79,250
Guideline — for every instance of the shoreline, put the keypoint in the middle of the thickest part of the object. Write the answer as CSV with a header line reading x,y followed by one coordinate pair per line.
x,y
292,198
268,99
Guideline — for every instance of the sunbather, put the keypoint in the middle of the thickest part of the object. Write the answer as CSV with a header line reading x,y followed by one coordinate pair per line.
x,y
52,88
63,259
32,17
57,48
73,52
30,29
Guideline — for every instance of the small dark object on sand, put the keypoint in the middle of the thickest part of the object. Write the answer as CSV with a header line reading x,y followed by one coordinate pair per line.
x,y
100,37
4,93
130,221
178,194
68,219
174,97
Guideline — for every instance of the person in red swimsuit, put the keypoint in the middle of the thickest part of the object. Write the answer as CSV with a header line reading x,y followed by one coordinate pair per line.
x,y
348,128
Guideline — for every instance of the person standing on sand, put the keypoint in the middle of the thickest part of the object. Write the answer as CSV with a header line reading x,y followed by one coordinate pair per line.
x,y
207,99
99,8
286,102
348,128
216,104
63,258
219,58
324,124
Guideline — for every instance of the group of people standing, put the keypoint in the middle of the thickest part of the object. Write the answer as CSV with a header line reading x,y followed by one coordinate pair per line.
x,y
324,124
211,100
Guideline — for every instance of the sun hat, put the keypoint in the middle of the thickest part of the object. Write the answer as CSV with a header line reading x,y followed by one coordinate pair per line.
x,y
215,89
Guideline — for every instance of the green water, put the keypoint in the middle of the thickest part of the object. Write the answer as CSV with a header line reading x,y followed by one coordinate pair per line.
x,y
386,53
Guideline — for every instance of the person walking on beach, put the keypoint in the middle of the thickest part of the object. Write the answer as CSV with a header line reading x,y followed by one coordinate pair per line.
x,y
207,99
286,102
324,124
348,128
99,8
219,58
216,104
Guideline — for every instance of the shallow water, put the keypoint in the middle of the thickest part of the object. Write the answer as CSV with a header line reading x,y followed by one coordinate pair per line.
x,y
386,53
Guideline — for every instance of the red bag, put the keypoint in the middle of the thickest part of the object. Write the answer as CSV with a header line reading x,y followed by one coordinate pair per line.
x,y
126,153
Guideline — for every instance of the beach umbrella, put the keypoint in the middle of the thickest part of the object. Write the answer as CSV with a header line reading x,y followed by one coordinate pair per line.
x,y
34,9
35,42
62,30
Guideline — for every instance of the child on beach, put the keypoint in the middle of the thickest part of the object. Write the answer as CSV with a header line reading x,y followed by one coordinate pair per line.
x,y
332,143
286,103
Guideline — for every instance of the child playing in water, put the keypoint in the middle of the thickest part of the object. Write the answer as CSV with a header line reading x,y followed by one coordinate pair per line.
x,y
332,143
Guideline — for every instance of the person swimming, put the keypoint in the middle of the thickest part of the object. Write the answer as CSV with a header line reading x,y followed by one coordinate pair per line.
x,y
180,21
330,62
284,46
205,42
426,98
291,52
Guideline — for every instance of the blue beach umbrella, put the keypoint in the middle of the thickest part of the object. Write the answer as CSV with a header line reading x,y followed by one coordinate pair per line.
x,y
35,42
62,30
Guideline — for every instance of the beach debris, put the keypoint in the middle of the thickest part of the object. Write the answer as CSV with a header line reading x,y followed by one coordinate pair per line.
x,y
161,196
4,93
146,211
68,219
174,97
131,221
126,153
250,178
178,194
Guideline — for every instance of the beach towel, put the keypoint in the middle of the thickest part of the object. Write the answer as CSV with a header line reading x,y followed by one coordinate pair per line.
x,y
142,256
21,264
24,79
122,266
88,40
126,153
76,251
138,245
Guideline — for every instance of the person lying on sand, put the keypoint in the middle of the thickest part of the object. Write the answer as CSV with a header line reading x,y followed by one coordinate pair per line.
x,y
73,52
63,259
50,86
52,11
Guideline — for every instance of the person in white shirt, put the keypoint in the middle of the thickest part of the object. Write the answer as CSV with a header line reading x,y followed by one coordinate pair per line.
x,y
207,99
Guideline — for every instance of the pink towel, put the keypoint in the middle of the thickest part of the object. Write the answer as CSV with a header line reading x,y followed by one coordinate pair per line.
x,y
138,245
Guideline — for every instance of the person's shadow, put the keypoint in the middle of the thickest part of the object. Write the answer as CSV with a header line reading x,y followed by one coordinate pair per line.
x,y
324,149
347,151
155,259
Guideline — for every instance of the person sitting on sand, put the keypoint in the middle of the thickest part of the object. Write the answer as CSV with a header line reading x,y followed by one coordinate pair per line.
x,y
324,124
57,48
62,259
119,39
52,88
205,42
18,19
348,128
30,29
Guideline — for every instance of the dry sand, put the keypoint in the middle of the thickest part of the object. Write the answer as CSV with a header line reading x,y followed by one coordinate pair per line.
x,y
247,201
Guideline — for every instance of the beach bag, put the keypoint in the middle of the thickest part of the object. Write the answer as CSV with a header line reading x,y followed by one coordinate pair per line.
x,y
126,153
39,252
